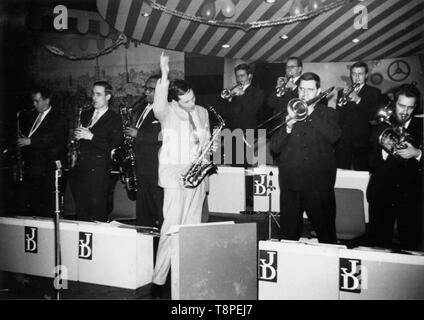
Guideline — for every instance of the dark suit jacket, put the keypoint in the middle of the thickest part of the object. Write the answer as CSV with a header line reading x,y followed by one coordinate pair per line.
x,y
48,142
354,119
107,134
393,177
147,145
306,160
242,111
279,104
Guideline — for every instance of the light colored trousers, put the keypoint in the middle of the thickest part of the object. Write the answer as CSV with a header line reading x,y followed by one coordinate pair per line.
x,y
180,206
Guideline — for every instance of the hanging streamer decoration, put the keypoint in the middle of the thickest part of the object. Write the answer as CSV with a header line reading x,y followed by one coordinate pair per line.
x,y
122,39
246,26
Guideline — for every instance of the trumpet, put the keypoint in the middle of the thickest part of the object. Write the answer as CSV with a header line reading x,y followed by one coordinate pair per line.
x,y
343,99
299,110
228,93
281,90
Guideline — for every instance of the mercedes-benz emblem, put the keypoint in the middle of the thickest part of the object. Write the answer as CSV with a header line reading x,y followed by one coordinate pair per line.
x,y
398,70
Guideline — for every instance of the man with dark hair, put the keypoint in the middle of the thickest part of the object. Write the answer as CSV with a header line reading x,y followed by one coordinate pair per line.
x,y
395,188
241,111
307,167
146,132
286,87
354,119
100,132
42,142
185,133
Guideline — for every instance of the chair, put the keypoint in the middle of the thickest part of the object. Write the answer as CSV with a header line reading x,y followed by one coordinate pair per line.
x,y
350,216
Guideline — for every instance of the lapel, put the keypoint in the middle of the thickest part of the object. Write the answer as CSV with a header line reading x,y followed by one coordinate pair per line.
x,y
148,119
43,125
102,119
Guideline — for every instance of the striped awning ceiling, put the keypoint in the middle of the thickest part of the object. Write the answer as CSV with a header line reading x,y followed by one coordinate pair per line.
x,y
395,28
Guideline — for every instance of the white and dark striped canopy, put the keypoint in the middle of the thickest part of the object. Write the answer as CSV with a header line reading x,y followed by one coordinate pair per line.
x,y
395,29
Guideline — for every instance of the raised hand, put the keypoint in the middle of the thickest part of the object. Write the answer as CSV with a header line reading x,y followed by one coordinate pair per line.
x,y
164,64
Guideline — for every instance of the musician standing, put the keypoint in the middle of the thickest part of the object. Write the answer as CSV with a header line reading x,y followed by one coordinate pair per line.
x,y
185,131
395,188
354,117
241,111
42,143
146,132
99,133
307,167
290,82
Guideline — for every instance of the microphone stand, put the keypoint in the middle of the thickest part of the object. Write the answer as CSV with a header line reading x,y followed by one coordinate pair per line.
x,y
271,215
58,202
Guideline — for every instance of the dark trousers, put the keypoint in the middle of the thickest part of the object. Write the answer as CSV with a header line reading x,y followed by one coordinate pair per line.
x,y
149,204
90,189
320,208
39,191
384,212
351,157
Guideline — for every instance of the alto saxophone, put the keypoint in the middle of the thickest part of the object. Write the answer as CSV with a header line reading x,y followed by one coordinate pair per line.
x,y
202,166
124,155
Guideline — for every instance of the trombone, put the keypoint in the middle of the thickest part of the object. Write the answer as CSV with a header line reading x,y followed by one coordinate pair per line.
x,y
228,93
343,99
299,109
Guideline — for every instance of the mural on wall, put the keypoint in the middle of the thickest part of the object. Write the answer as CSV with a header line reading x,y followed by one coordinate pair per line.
x,y
126,68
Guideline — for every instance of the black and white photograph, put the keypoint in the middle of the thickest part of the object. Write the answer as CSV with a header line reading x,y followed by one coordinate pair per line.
x,y
215,155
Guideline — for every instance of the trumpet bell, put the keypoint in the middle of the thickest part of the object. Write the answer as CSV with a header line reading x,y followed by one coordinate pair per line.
x,y
225,94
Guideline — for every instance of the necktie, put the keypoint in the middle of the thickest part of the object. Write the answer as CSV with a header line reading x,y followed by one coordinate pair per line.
x,y
143,115
193,126
36,124
94,119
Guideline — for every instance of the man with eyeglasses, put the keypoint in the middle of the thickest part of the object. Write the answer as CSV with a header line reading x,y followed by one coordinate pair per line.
x,y
290,82
146,132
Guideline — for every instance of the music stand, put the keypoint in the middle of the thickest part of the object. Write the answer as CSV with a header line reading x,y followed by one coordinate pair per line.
x,y
58,205
271,214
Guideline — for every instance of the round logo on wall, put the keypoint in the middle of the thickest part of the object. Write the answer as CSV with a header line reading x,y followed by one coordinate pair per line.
x,y
376,78
398,70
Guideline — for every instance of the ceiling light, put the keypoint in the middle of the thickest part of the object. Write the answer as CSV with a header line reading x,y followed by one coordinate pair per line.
x,y
144,14
226,45
270,1
356,40
284,37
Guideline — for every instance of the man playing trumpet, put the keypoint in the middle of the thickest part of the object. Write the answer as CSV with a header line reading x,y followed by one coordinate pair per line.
x,y
354,116
242,110
286,87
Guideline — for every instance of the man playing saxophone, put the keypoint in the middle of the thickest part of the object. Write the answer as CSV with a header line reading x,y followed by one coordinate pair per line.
x,y
185,131
395,188
41,142
145,131
99,133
